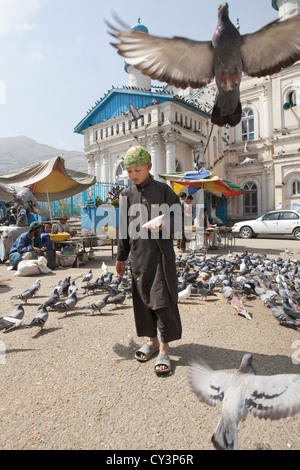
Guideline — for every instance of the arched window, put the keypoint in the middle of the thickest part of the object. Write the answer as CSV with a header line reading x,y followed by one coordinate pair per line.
x,y
250,199
296,187
121,174
248,125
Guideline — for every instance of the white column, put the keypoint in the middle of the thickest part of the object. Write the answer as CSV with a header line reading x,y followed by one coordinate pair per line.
x,y
268,195
170,143
105,166
97,167
267,101
155,155
91,164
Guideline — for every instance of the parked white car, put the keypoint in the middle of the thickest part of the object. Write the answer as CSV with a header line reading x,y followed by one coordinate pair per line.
x,y
280,222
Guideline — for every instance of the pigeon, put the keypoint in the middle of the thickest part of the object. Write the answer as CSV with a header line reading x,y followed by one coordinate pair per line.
x,y
40,319
247,161
184,294
183,62
203,291
28,293
135,113
291,312
117,299
92,286
88,277
72,288
274,396
68,304
59,287
227,292
14,320
53,299
98,305
66,284
283,318
238,305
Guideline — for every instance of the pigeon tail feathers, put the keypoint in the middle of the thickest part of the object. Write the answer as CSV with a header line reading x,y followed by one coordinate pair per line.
x,y
231,119
225,436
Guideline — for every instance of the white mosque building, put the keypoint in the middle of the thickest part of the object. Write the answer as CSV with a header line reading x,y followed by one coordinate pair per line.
x,y
175,126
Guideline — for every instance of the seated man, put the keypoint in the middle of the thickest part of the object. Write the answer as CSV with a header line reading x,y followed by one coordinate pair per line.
x,y
62,226
28,242
45,236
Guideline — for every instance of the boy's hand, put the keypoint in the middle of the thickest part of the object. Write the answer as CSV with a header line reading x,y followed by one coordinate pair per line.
x,y
120,268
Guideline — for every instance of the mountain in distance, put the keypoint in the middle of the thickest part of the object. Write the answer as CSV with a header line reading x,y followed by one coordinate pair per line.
x,y
20,152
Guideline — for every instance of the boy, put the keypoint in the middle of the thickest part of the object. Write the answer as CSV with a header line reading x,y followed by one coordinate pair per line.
x,y
154,279
45,236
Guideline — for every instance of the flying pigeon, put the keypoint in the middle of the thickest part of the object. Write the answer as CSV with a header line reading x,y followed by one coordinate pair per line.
x,y
135,113
247,161
40,319
183,62
274,397
98,305
28,293
14,320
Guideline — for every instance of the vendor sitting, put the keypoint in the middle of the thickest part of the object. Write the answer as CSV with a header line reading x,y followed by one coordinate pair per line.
x,y
62,226
28,242
45,236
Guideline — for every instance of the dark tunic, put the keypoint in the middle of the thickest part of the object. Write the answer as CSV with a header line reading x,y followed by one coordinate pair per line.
x,y
153,268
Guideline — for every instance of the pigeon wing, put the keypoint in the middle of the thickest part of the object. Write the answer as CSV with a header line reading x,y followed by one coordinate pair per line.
x,y
177,61
135,113
208,384
273,47
274,397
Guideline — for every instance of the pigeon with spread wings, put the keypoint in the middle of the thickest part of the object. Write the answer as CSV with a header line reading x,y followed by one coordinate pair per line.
x,y
273,397
183,62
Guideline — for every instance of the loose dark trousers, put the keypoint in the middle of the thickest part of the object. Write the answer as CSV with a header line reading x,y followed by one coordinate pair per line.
x,y
147,321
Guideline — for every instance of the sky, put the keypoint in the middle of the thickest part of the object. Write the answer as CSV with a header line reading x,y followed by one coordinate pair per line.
x,y
56,60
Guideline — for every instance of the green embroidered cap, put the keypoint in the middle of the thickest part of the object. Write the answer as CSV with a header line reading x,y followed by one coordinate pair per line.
x,y
137,156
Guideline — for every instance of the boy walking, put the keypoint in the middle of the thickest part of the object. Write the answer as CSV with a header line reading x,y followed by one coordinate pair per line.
x,y
152,257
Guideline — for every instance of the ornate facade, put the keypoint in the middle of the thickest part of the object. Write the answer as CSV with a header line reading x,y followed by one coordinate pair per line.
x,y
175,127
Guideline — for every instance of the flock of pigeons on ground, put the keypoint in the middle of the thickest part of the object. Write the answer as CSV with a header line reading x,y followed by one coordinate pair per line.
x,y
64,298
276,282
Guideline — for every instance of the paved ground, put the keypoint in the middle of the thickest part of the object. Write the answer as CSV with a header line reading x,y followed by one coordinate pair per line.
x,y
77,385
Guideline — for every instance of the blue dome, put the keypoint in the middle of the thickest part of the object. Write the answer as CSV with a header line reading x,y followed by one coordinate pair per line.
x,y
275,5
140,27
